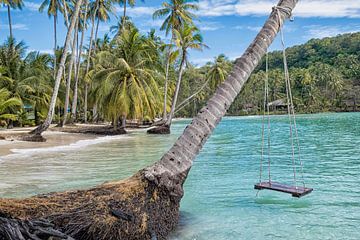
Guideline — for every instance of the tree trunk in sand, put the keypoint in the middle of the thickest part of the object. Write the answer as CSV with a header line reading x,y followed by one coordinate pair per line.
x,y
68,82
165,128
146,205
41,128
177,90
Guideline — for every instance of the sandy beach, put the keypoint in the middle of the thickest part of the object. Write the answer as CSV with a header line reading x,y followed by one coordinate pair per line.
x,y
53,138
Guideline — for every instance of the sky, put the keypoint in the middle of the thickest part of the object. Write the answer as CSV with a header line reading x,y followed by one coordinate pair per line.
x,y
228,26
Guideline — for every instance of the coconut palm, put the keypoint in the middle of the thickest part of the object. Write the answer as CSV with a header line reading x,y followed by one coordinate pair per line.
x,y
82,27
8,105
218,71
171,171
99,10
102,12
124,18
187,38
53,8
15,4
41,128
125,84
38,83
176,13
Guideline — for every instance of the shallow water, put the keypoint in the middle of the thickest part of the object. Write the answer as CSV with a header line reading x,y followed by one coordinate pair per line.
x,y
219,201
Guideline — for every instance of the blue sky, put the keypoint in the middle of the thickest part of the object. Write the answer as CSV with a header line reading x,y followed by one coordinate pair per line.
x,y
228,26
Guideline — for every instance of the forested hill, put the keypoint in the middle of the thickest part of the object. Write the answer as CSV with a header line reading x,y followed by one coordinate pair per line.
x,y
335,51
325,76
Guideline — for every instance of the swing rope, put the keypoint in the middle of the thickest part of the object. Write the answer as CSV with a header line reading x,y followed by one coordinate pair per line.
x,y
290,109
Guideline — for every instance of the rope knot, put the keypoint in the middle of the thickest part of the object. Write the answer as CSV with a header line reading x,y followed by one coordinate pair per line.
x,y
287,11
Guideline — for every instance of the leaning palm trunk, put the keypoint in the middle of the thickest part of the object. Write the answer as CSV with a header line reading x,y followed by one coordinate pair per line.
x,y
146,205
68,82
75,96
89,58
55,45
177,90
40,129
166,87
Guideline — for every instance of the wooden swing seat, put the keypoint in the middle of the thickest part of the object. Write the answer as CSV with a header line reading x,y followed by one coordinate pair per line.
x,y
279,187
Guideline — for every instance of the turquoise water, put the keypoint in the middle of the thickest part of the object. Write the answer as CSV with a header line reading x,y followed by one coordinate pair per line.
x,y
219,201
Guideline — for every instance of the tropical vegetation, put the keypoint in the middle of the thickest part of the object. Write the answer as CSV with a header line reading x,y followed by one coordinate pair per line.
x,y
128,75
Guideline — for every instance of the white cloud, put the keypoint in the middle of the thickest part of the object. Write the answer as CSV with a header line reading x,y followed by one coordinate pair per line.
x,y
137,11
305,8
209,26
17,26
32,6
318,31
43,51
251,28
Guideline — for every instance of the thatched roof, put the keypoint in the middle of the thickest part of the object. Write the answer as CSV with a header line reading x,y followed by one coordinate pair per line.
x,y
278,103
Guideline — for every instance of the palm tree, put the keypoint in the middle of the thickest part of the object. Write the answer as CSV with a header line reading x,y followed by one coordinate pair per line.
x,y
37,82
218,71
16,4
102,14
124,3
125,85
8,105
84,17
176,13
171,171
68,81
187,38
54,6
99,10
41,128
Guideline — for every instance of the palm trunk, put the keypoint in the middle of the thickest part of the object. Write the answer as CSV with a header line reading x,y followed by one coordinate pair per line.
x,y
68,82
40,129
96,35
172,169
9,17
55,45
177,89
166,87
66,14
123,122
77,72
89,58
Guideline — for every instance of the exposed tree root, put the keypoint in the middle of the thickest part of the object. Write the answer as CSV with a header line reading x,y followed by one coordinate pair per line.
x,y
164,129
130,209
32,138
